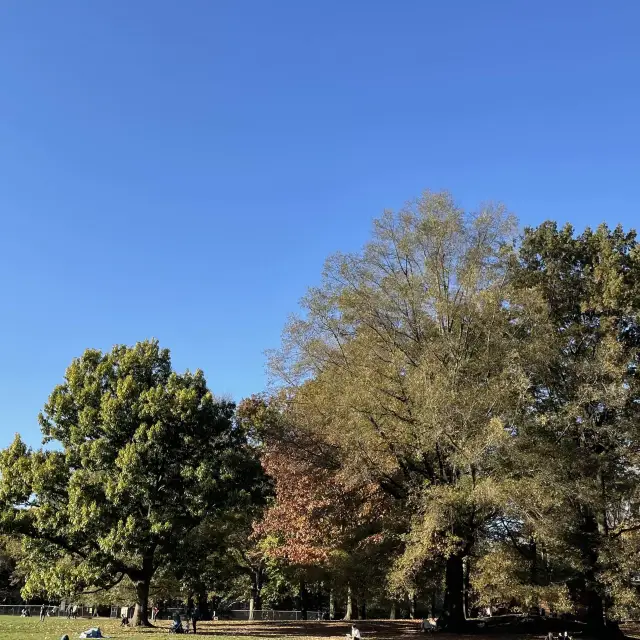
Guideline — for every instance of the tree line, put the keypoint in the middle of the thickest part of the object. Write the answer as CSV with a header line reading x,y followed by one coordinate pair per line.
x,y
453,424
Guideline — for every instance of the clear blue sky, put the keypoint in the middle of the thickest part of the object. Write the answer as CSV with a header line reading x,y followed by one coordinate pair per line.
x,y
181,169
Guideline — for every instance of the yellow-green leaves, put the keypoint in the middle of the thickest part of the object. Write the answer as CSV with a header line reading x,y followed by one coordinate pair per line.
x,y
145,455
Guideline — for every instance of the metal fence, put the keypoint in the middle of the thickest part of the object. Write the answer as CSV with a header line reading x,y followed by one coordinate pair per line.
x,y
16,609
118,612
50,610
271,614
165,614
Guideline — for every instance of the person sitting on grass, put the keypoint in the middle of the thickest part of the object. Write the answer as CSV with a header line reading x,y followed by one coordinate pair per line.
x,y
355,633
124,622
176,625
429,625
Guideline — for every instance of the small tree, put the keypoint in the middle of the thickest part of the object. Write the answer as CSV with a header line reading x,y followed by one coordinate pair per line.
x,y
142,456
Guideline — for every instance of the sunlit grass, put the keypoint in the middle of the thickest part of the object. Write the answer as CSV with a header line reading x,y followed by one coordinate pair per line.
x,y
17,628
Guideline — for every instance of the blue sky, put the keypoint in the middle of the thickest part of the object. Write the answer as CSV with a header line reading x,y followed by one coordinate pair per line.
x,y
180,170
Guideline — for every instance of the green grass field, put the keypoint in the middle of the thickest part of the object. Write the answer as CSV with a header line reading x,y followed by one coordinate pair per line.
x,y
17,628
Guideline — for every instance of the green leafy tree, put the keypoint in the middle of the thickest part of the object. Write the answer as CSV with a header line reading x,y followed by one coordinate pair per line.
x,y
411,362
579,451
141,456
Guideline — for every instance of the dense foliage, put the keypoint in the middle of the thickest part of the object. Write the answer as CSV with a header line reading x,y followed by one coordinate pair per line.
x,y
143,457
455,425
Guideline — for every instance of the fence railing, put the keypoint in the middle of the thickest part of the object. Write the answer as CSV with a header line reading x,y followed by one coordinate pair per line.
x,y
272,614
116,612
50,610
16,609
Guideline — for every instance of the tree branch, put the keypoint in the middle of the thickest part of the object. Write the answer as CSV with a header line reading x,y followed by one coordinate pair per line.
x,y
115,583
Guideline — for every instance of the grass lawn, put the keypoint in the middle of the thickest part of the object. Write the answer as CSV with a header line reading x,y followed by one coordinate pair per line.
x,y
17,628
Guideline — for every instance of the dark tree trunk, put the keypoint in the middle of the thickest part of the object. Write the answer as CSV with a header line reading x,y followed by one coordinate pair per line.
x,y
453,609
203,605
392,613
595,611
363,610
588,540
533,550
467,585
303,599
597,621
141,612
598,624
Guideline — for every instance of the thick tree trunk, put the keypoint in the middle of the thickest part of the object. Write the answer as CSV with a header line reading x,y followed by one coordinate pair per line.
x,y
203,605
141,613
392,613
349,613
590,540
597,621
593,601
453,610
363,609
598,624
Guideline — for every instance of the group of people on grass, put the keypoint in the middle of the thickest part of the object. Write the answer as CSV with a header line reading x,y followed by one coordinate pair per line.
x,y
45,612
192,618
190,621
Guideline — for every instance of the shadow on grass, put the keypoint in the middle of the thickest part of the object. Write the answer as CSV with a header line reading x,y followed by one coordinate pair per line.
x,y
380,630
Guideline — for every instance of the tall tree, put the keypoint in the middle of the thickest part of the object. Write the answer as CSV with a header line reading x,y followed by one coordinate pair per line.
x,y
583,443
142,455
411,361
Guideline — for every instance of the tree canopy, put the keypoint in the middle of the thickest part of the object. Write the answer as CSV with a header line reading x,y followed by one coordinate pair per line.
x,y
454,423
138,457
413,362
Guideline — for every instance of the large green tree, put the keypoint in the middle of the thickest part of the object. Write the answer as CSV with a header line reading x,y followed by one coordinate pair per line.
x,y
580,450
138,456
411,362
